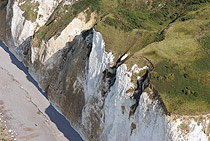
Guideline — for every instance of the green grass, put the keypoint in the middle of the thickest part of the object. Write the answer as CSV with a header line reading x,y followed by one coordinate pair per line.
x,y
132,25
182,68
30,9
205,43
119,42
123,15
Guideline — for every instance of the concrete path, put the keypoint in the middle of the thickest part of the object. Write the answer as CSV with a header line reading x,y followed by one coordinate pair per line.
x,y
25,110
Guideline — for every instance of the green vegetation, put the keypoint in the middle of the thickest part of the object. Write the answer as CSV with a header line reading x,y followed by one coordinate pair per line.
x,y
182,68
123,15
30,9
132,25
3,4
205,42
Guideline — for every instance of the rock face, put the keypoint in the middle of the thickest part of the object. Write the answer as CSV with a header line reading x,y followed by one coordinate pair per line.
x,y
64,85
86,86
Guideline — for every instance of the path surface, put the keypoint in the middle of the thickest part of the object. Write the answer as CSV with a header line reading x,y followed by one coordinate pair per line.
x,y
27,113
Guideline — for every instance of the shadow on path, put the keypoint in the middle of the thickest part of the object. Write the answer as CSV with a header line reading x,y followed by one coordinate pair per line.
x,y
61,122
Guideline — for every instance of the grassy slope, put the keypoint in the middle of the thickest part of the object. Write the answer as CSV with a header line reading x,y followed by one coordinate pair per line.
x,y
30,9
182,73
124,29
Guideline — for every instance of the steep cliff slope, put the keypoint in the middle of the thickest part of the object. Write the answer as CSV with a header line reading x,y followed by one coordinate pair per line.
x,y
104,82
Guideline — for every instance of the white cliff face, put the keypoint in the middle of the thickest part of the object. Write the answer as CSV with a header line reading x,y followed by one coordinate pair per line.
x,y
46,8
98,62
77,25
190,127
21,29
149,123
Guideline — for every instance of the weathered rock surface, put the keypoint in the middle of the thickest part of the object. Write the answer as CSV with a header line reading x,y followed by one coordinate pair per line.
x,y
71,68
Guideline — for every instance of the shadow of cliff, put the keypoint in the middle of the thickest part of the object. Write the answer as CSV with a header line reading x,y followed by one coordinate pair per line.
x,y
61,122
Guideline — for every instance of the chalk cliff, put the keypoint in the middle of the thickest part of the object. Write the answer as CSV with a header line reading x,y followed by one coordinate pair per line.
x,y
85,83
